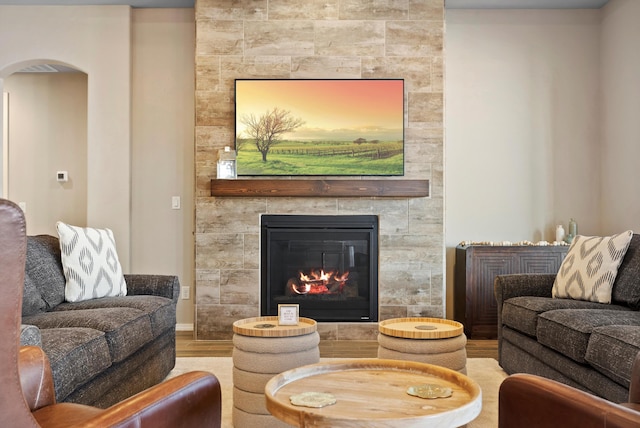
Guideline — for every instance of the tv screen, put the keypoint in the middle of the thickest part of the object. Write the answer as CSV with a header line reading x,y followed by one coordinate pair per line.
x,y
319,127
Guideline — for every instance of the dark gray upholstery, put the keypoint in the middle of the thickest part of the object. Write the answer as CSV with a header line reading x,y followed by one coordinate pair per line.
x,y
101,350
611,350
30,336
44,268
568,330
523,355
590,346
125,330
521,313
32,302
76,355
626,290
159,310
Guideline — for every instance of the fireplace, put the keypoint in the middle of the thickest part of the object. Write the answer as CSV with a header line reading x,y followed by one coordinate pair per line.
x,y
327,264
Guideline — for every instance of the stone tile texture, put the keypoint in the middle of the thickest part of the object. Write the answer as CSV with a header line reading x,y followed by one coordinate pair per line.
x,y
319,39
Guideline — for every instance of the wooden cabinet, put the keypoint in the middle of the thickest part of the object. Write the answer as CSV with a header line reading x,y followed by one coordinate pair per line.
x,y
475,270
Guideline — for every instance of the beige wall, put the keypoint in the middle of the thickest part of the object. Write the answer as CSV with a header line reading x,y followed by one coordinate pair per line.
x,y
620,130
145,169
540,123
163,145
48,133
95,40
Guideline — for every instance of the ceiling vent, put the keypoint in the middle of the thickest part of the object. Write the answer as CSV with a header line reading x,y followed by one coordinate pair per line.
x,y
48,68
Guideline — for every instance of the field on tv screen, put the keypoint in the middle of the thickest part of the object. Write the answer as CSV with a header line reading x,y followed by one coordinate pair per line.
x,y
323,158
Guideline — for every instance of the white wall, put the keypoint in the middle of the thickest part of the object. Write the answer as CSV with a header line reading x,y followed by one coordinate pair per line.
x,y
95,40
163,43
48,133
522,125
620,149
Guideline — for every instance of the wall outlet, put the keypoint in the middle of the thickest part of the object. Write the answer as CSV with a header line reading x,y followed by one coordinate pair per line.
x,y
185,293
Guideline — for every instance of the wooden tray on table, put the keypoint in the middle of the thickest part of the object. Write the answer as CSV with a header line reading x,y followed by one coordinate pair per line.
x,y
373,393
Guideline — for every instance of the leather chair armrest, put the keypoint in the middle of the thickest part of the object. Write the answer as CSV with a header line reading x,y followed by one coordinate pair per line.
x,y
189,400
535,402
35,377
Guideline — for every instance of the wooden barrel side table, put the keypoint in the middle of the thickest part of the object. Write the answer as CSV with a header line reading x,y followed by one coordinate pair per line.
x,y
426,340
261,350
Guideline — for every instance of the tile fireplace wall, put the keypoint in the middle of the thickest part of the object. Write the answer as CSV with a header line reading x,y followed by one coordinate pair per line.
x,y
319,39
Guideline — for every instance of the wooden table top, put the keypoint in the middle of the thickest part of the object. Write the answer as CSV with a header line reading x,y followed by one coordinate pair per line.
x,y
268,327
420,328
372,393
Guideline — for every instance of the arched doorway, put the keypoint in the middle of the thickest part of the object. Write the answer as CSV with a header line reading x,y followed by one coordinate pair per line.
x,y
45,132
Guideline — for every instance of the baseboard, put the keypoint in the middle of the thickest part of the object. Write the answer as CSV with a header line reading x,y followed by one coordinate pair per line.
x,y
184,327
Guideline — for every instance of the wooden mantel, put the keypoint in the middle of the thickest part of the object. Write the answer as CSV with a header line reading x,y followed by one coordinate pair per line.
x,y
330,188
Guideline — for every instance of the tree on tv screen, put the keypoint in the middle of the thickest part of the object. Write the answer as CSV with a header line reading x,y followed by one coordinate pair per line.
x,y
267,130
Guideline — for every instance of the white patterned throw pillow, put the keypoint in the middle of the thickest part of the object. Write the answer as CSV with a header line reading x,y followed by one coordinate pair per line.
x,y
590,267
90,263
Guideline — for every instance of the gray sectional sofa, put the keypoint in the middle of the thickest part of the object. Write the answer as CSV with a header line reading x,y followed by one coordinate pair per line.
x,y
101,350
590,346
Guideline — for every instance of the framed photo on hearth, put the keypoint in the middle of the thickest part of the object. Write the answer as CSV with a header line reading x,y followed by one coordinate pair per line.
x,y
288,314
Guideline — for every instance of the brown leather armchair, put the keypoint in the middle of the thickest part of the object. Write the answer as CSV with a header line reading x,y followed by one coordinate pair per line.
x,y
27,396
535,402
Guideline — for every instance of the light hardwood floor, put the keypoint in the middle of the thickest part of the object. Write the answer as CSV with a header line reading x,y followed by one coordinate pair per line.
x,y
186,346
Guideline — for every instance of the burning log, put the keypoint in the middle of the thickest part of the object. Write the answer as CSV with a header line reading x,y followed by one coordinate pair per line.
x,y
294,287
317,283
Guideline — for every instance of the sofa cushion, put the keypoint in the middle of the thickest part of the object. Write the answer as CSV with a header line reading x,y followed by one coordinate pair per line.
x,y
44,268
76,355
126,329
568,330
612,350
590,267
626,289
521,313
32,302
523,354
160,310
90,263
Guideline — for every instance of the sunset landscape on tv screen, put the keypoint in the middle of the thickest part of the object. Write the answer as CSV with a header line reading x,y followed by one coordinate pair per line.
x,y
319,127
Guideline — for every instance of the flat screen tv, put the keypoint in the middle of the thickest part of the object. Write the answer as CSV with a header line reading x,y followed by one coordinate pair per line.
x,y
331,127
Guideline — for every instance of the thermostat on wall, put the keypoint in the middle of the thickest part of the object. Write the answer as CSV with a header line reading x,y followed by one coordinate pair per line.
x,y
62,176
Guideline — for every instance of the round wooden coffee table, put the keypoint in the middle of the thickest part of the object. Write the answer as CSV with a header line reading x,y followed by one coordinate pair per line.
x,y
373,393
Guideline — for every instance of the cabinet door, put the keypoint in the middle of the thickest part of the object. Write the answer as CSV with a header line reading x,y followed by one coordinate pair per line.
x,y
482,310
476,268
540,262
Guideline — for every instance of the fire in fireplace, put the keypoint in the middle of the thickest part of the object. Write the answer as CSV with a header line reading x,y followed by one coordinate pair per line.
x,y
328,265
317,283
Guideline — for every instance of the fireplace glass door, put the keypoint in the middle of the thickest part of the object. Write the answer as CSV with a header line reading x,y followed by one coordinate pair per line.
x,y
326,264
